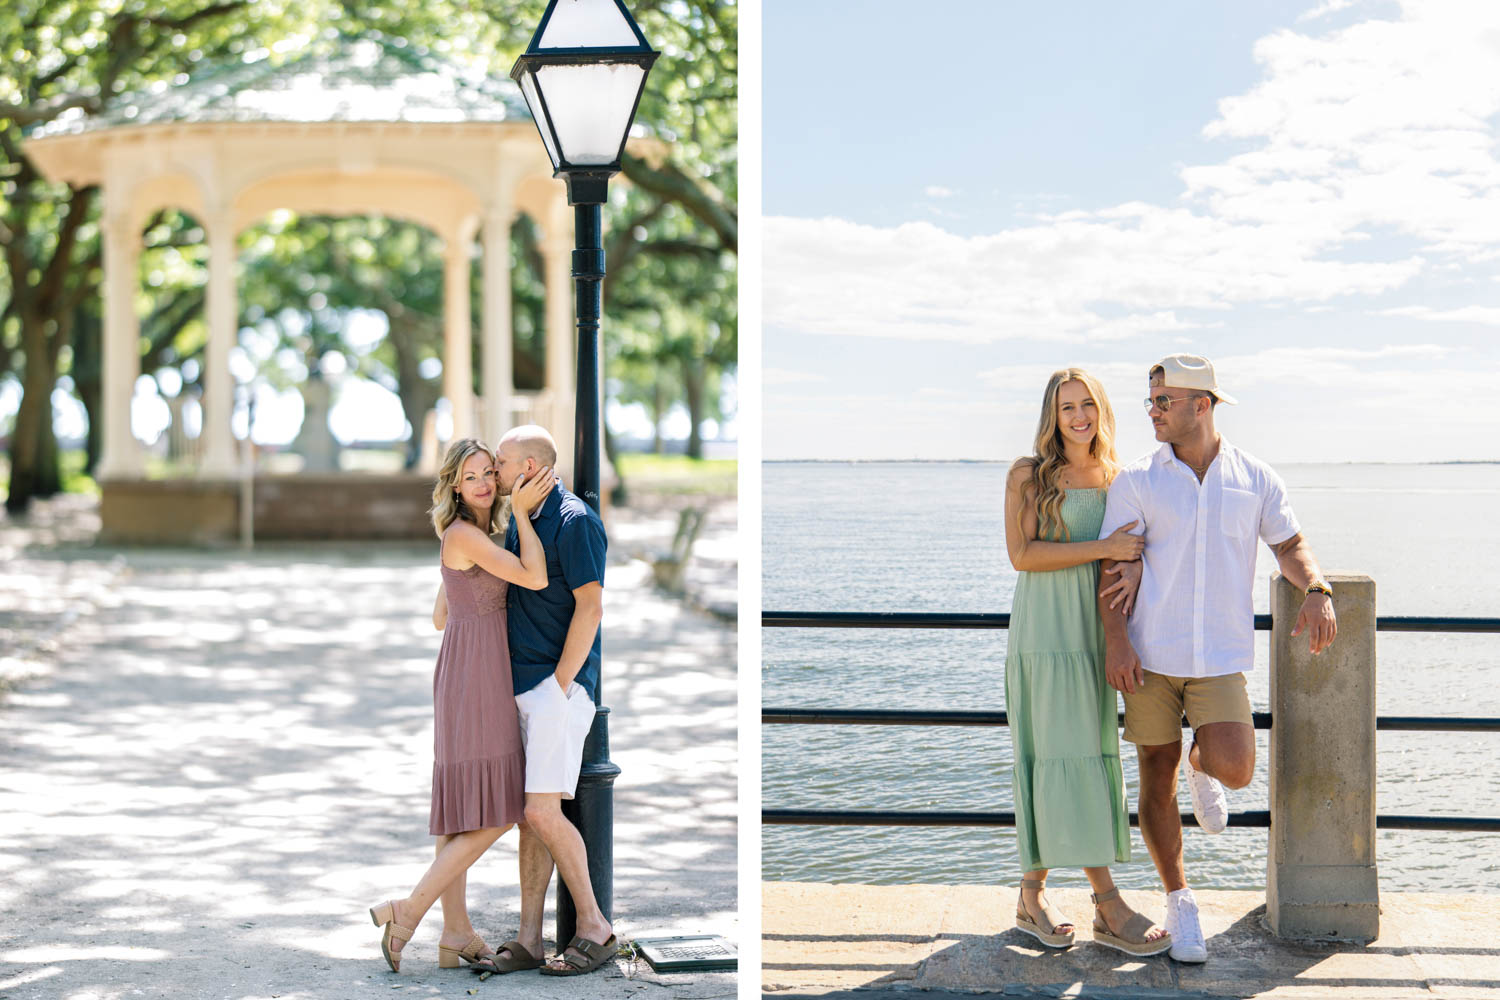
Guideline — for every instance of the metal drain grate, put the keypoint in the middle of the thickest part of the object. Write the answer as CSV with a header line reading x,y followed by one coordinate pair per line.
x,y
689,953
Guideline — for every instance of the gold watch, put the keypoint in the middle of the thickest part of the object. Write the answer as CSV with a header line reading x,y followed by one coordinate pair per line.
x,y
1320,587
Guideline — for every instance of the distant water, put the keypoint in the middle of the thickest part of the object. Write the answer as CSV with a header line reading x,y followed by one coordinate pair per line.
x,y
876,537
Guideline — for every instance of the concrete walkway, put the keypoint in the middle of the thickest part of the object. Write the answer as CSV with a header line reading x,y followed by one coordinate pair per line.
x,y
211,764
829,940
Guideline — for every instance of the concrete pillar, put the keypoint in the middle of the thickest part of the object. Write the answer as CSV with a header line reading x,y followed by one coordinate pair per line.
x,y
458,347
223,315
119,453
1320,873
499,380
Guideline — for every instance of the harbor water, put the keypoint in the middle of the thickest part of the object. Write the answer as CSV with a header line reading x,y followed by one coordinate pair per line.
x,y
874,537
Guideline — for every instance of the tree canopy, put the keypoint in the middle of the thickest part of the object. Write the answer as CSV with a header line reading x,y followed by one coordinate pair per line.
x,y
671,235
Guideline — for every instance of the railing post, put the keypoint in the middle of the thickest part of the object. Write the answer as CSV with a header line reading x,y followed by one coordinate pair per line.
x,y
1320,871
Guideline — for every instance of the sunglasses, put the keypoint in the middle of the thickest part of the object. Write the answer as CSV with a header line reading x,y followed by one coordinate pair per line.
x,y
1164,403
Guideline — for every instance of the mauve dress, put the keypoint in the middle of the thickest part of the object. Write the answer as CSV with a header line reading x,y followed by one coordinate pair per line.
x,y
479,765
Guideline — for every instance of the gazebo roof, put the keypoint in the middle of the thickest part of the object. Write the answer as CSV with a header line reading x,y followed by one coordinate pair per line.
x,y
364,79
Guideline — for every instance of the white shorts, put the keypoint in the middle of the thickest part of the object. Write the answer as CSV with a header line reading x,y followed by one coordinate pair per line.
x,y
553,727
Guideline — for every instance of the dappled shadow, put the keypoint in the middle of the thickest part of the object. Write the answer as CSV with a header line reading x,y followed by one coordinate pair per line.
x,y
231,761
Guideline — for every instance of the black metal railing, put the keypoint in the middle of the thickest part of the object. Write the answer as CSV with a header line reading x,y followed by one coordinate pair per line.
x,y
920,717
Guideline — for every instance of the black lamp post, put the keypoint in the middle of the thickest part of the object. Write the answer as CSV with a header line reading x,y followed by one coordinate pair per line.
x,y
582,77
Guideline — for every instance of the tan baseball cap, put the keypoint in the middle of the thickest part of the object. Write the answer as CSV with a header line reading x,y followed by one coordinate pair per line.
x,y
1189,371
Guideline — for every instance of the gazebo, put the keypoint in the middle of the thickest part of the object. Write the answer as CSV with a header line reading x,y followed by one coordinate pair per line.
x,y
369,126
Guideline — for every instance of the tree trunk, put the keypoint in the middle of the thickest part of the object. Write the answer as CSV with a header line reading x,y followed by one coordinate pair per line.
x,y
417,394
693,379
33,447
620,495
88,380
658,410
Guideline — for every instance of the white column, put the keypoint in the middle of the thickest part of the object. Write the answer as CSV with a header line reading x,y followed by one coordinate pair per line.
x,y
218,387
458,348
499,380
119,452
562,330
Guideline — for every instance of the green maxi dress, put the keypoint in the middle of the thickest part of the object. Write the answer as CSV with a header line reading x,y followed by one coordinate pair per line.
x,y
1068,786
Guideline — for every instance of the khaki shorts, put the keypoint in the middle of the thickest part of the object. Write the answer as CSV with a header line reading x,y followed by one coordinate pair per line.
x,y
1153,714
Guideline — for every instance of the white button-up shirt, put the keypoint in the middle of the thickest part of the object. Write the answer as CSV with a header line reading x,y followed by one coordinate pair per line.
x,y
1193,615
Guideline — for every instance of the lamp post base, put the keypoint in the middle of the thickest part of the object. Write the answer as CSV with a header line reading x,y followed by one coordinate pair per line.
x,y
592,811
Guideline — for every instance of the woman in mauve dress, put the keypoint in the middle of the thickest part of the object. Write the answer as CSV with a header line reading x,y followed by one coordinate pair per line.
x,y
1068,787
479,768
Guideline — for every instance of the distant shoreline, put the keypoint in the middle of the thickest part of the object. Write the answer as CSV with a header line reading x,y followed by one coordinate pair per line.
x,y
1007,461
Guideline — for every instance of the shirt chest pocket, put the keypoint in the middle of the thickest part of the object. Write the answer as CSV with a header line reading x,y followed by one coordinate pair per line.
x,y
1239,514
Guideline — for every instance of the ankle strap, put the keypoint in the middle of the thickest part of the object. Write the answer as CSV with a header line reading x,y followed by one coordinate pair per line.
x,y
1032,883
1111,894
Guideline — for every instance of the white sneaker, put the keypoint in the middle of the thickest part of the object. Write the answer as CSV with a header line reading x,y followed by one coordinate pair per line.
x,y
1182,924
1210,804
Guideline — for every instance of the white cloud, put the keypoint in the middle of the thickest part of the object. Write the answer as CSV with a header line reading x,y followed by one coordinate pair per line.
x,y
1328,7
1360,370
1379,136
785,376
938,191
1048,281
1387,123
1487,315
1033,378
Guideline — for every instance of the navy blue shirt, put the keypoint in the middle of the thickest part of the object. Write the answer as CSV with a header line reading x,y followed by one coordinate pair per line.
x,y
573,539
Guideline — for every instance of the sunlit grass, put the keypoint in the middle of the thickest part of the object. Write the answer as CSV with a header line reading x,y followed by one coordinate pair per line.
x,y
678,474
74,479
643,473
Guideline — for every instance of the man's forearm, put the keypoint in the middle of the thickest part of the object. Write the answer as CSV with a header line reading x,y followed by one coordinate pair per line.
x,y
1112,619
1296,562
580,639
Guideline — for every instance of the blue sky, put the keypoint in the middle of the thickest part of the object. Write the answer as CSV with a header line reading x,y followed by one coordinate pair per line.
x,y
956,205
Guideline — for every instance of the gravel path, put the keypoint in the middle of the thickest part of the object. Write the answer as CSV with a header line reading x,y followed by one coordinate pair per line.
x,y
212,763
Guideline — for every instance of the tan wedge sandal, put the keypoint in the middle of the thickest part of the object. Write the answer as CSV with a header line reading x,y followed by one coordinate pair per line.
x,y
1132,938
384,915
452,958
1045,929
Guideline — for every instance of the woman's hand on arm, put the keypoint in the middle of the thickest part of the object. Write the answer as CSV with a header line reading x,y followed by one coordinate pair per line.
x,y
1121,546
529,571
1029,553
1126,585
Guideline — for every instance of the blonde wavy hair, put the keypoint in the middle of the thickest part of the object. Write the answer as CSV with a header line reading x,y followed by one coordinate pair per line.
x,y
1049,459
448,506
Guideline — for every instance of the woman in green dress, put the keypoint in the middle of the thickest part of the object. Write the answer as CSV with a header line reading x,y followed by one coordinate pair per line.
x,y
1069,790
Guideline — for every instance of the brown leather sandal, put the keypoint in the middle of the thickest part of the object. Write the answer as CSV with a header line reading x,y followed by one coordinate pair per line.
x,y
1132,938
519,961
1045,929
592,956
385,915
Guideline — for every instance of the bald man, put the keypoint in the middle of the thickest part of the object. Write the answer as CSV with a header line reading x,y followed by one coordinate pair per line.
x,y
554,657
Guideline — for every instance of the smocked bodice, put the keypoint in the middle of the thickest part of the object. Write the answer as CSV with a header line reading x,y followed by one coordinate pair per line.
x,y
472,592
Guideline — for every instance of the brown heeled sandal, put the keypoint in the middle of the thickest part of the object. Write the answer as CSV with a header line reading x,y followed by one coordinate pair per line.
x,y
384,915
1132,938
452,958
1044,930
